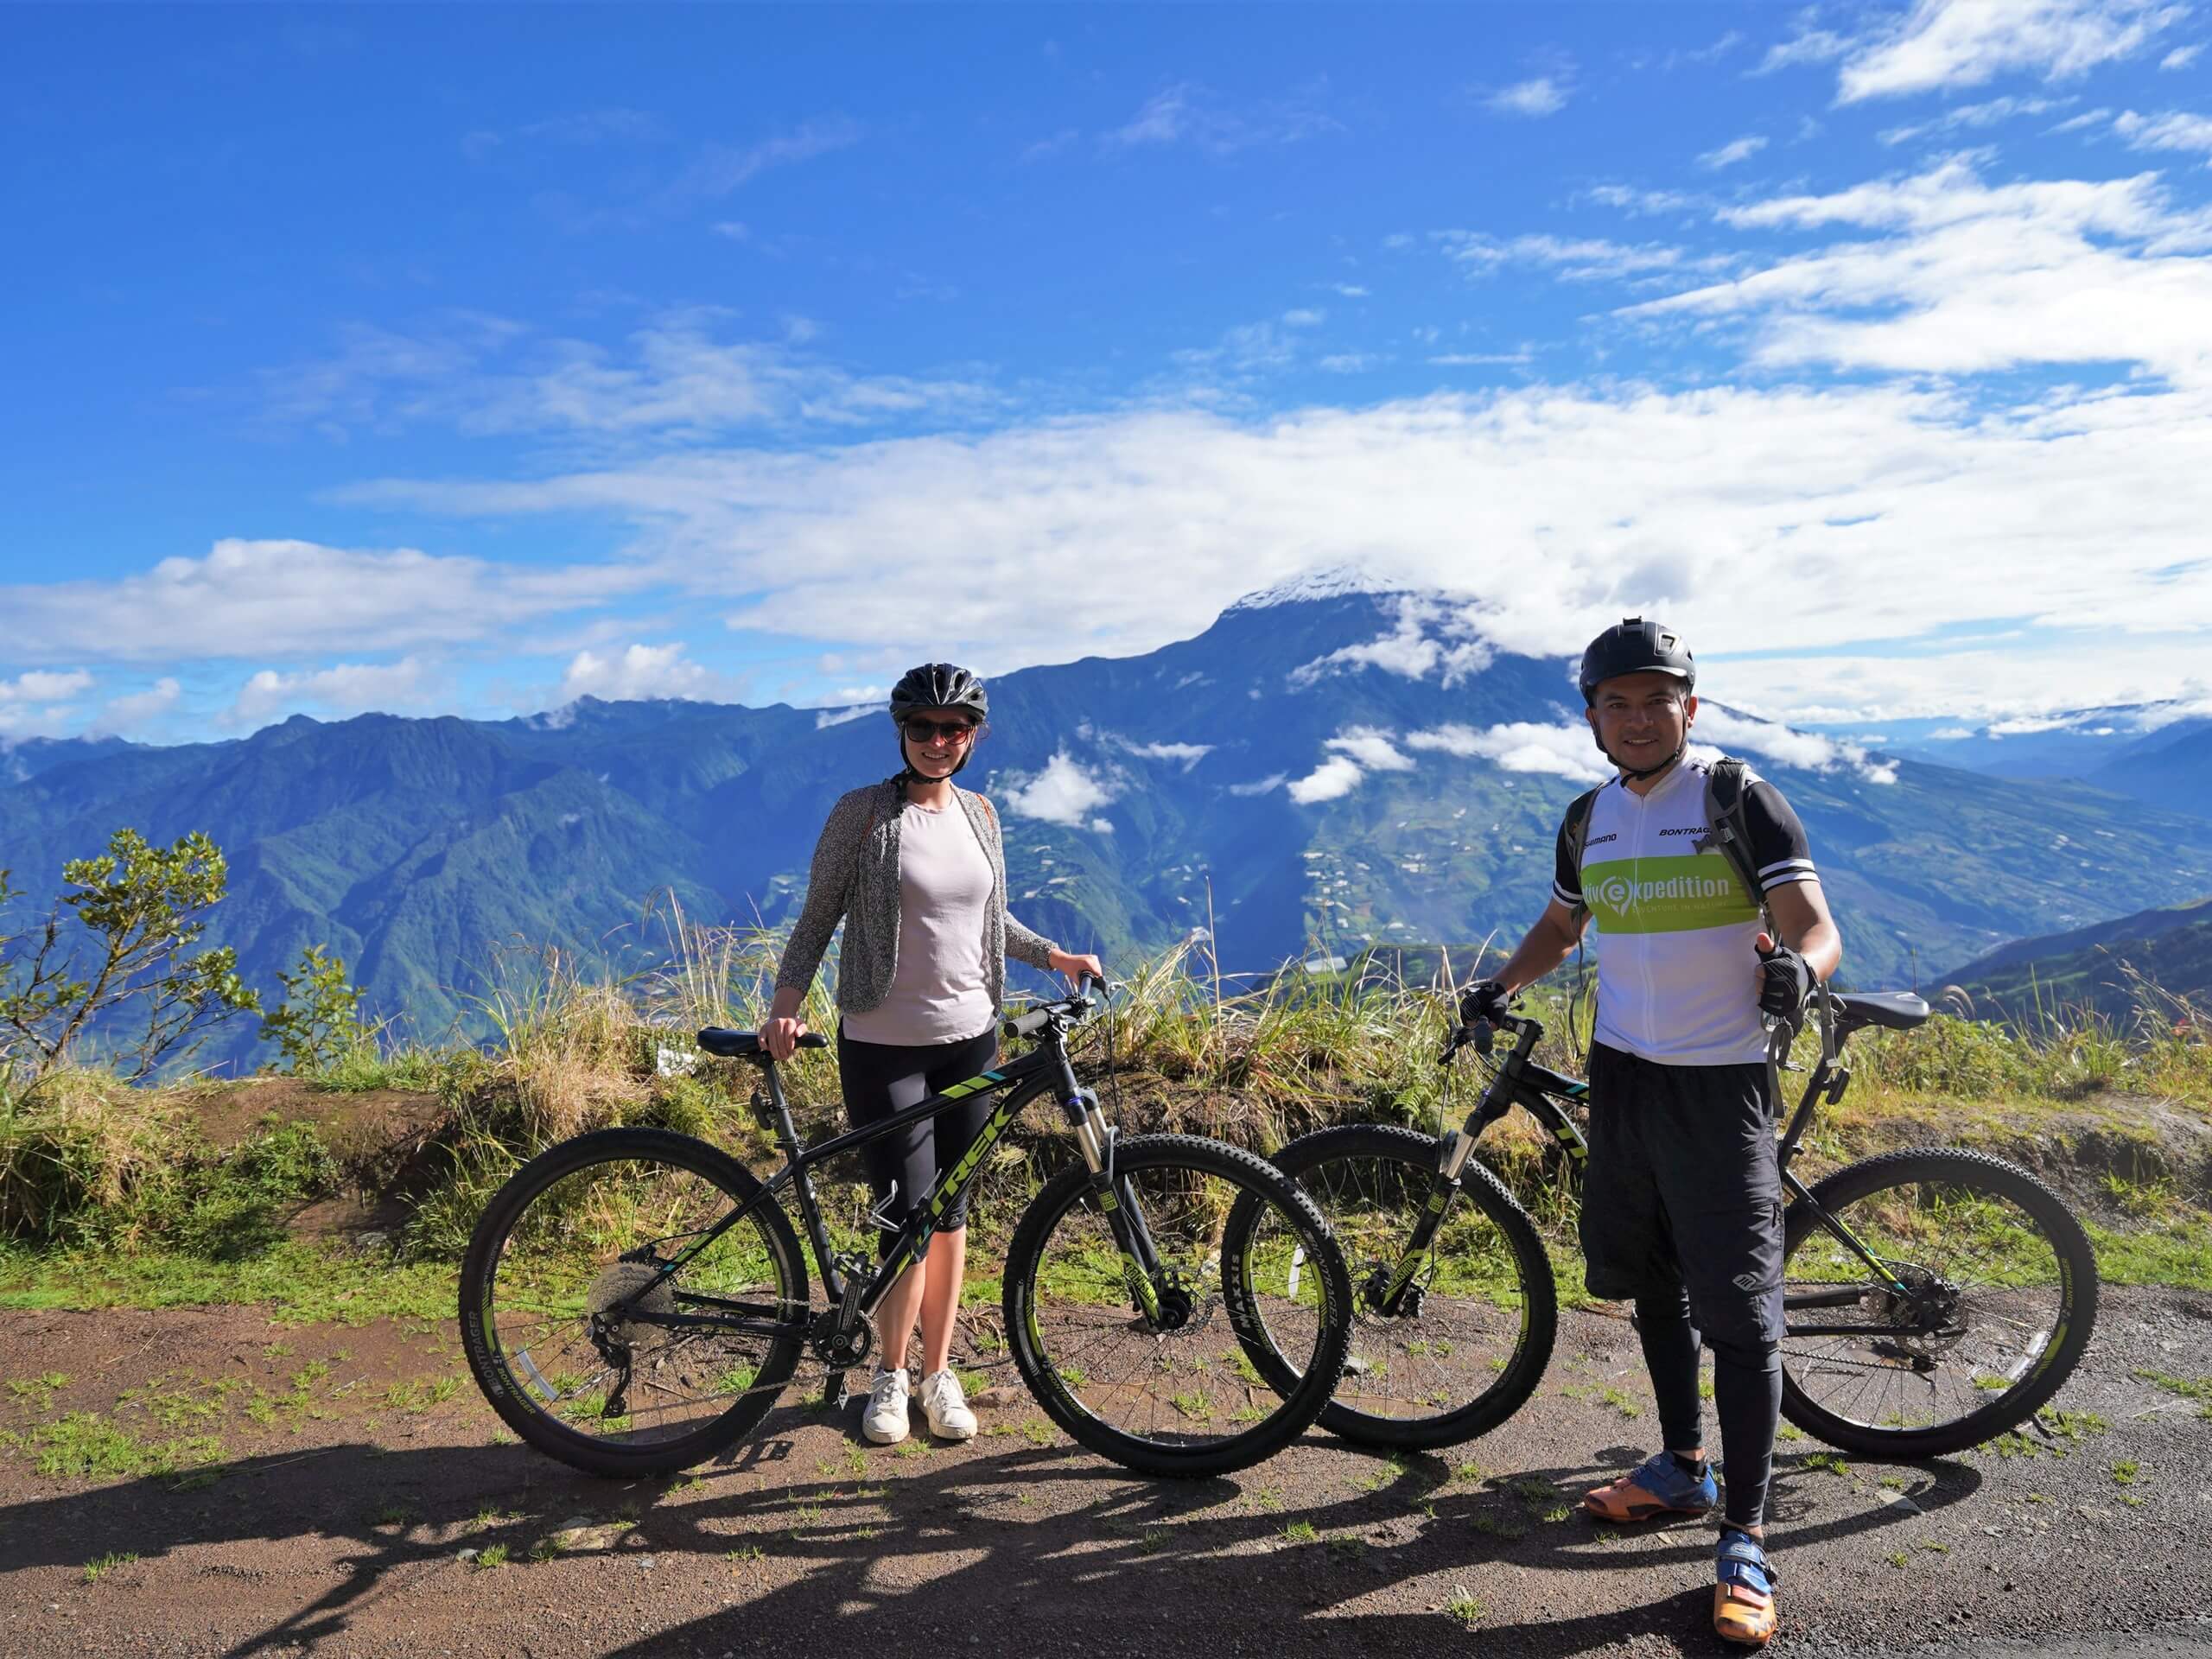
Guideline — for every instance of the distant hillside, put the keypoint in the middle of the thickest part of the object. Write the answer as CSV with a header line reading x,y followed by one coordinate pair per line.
x,y
2090,966
1342,767
2172,768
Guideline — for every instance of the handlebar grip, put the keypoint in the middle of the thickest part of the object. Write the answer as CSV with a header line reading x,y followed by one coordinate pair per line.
x,y
1029,1024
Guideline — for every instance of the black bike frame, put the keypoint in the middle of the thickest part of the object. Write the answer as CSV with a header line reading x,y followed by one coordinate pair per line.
x,y
1044,1070
1540,1091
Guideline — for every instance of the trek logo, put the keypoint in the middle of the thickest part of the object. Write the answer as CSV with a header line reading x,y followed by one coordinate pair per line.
x,y
1680,893
992,1127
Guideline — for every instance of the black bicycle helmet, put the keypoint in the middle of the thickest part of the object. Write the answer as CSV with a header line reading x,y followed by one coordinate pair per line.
x,y
1633,645
938,685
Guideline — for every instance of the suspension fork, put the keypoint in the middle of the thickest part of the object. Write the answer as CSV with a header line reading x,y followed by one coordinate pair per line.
x,y
1114,1195
1453,1154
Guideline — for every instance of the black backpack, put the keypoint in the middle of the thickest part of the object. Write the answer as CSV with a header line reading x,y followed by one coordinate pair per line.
x,y
1726,828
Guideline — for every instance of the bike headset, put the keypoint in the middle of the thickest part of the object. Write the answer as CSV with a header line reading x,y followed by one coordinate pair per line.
x,y
1633,645
937,685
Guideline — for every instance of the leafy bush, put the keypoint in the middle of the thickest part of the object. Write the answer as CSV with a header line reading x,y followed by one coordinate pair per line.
x,y
319,1024
113,963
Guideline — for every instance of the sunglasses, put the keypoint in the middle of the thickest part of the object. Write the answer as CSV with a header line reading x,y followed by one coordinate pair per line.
x,y
952,731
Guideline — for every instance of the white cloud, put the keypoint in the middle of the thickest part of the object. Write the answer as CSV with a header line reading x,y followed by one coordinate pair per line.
x,y
1521,746
1349,290
1265,786
676,378
1738,149
1743,734
1372,748
1349,362
134,709
1305,317
1541,95
343,688
1186,754
1578,258
1044,148
641,673
1064,792
828,717
1102,826
249,599
2181,57
1950,734
1472,359
1336,776
724,167
1965,42
36,703
1189,113
43,685
1972,278
1974,116
1409,649
2189,133
1560,507
1633,200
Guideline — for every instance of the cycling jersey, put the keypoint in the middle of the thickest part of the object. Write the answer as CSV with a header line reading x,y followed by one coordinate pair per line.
x,y
1678,979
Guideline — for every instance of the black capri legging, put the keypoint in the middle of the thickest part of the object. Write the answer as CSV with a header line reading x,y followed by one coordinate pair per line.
x,y
880,1079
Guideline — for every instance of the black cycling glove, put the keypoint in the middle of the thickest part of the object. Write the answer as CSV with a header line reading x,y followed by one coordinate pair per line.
x,y
1785,982
1484,1000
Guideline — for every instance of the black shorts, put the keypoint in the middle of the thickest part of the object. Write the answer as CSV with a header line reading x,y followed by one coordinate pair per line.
x,y
880,1079
1683,1189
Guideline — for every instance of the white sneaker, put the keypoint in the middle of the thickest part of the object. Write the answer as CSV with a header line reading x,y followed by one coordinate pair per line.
x,y
947,1408
885,1419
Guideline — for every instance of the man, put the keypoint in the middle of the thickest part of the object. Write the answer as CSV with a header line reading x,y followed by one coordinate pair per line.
x,y
1682,1201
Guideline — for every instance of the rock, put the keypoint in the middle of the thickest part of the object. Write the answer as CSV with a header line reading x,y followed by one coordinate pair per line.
x,y
997,1395
1899,1501
372,1244
465,1555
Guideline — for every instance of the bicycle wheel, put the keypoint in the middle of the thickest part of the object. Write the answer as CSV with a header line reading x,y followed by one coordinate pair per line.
x,y
1471,1341
2000,1296
1237,1244
566,1320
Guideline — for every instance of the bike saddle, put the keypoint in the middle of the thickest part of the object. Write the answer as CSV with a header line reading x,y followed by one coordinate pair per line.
x,y
1893,1010
746,1045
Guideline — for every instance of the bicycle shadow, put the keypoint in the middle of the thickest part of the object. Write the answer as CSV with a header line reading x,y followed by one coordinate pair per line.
x,y
958,1536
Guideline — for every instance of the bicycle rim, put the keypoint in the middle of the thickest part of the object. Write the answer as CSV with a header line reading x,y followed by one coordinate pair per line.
x,y
571,1304
1473,1329
1999,1294
1235,1240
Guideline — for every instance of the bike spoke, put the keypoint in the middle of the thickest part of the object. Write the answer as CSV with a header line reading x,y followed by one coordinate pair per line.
x,y
1984,1292
578,1291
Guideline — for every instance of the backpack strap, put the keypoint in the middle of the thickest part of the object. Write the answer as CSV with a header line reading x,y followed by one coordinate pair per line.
x,y
1728,827
1577,830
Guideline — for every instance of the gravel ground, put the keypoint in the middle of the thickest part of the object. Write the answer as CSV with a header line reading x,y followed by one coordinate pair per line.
x,y
356,1479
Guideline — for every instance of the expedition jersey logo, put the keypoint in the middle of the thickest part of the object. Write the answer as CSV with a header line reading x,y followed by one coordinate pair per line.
x,y
1677,894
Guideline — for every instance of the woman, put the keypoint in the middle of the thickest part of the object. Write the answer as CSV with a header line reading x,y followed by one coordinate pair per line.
x,y
913,868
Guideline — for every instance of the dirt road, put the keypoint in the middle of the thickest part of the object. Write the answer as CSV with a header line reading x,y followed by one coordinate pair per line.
x,y
340,1491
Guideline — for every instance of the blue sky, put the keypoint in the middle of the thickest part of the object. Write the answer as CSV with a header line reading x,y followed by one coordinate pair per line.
x,y
458,358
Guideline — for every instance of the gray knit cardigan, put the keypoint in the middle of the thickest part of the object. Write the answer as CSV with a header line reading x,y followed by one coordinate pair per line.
x,y
854,878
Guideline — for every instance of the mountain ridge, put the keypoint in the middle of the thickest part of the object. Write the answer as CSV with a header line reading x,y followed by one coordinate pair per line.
x,y
1339,769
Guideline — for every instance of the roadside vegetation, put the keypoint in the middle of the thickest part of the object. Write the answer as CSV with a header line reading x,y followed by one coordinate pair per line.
x,y
113,1189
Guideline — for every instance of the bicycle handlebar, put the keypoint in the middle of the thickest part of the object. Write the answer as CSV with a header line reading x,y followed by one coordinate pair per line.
x,y
1063,1012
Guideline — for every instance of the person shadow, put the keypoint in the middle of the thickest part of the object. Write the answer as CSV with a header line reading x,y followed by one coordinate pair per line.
x,y
952,1546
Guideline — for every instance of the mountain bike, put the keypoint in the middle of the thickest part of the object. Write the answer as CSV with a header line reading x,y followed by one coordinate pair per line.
x,y
633,1300
1933,1298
